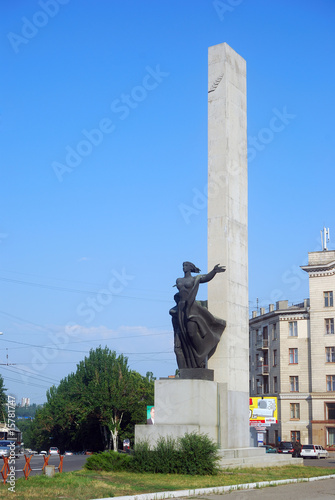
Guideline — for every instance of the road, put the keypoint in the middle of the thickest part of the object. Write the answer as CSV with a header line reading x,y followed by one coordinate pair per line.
x,y
323,462
314,490
70,463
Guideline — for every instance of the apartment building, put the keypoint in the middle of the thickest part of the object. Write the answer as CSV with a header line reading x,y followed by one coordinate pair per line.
x,y
292,358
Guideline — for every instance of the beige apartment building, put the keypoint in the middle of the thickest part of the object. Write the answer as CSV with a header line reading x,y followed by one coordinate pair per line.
x,y
292,358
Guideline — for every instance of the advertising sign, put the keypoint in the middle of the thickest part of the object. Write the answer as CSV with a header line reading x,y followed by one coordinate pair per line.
x,y
263,410
150,415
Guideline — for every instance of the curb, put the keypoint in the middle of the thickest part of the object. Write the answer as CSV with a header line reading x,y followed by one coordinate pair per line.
x,y
215,490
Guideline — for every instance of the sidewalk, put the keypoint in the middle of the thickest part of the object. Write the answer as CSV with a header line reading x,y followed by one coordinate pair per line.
x,y
308,488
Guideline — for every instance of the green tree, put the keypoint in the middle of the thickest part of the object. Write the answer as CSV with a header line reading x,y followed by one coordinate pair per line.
x,y
103,395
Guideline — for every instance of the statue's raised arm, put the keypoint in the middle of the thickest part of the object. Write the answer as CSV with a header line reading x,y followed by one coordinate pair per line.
x,y
216,269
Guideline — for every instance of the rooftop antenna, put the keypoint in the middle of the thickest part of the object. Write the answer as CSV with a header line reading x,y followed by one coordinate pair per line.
x,y
324,238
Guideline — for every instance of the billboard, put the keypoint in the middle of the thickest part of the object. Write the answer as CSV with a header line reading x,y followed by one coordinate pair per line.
x,y
150,415
263,411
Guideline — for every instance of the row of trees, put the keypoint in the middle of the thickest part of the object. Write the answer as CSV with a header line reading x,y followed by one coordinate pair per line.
x,y
94,407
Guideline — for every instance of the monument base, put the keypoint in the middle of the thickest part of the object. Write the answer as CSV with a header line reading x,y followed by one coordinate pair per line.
x,y
254,457
196,374
184,406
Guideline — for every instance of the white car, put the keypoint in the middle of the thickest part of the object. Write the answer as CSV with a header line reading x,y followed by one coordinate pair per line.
x,y
53,450
313,451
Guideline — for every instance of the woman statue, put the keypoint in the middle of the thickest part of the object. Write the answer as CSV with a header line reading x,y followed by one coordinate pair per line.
x,y
196,331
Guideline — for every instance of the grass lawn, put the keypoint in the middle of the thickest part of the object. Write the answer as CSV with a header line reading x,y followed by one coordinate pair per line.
x,y
87,485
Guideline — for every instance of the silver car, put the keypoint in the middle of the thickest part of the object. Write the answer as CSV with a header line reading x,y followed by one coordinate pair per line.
x,y
313,451
4,451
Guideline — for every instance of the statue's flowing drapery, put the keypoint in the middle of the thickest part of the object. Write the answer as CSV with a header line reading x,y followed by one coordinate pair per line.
x,y
197,331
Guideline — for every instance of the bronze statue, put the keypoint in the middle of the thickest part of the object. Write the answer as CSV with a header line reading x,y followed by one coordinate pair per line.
x,y
196,331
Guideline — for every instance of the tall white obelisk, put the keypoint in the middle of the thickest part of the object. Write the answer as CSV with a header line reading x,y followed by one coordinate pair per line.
x,y
228,237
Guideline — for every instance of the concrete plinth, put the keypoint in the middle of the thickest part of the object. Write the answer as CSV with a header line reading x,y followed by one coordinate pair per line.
x,y
182,406
254,457
186,406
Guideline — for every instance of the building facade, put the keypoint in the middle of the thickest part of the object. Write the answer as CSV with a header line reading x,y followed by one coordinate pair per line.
x,y
292,358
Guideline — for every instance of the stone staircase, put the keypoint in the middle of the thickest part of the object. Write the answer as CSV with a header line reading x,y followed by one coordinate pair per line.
x,y
255,457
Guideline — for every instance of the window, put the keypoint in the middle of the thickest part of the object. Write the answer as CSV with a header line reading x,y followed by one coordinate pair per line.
x,y
295,435
330,411
259,387
330,383
293,356
275,357
265,337
275,384
328,298
293,328
295,411
274,331
294,384
329,326
330,436
330,354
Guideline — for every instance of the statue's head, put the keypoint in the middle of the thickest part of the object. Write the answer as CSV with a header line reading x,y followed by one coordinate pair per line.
x,y
188,266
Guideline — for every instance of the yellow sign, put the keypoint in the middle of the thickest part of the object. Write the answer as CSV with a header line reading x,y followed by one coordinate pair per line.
x,y
263,409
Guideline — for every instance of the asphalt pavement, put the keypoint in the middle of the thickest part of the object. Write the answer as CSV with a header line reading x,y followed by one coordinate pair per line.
x,y
70,463
323,489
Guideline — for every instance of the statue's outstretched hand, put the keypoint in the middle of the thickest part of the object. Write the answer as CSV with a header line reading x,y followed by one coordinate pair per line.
x,y
219,269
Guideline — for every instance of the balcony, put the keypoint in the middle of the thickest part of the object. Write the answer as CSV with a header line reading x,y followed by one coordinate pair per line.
x,y
262,344
263,369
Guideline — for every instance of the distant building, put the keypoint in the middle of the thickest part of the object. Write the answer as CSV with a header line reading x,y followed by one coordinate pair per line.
x,y
25,402
292,357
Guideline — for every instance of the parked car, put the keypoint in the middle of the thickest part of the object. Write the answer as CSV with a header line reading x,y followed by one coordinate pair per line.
x,y
43,452
313,451
269,449
53,450
4,449
68,453
285,447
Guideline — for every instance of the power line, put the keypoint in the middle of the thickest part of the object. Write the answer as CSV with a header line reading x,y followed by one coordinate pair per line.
x,y
31,377
74,281
76,290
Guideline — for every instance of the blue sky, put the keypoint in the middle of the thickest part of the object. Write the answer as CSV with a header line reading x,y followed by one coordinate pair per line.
x,y
103,121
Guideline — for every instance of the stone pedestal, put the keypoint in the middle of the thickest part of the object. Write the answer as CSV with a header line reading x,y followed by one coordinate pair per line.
x,y
186,406
182,406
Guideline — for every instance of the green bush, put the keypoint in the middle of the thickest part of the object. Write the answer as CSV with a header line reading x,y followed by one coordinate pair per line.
x,y
144,460
109,461
199,454
192,454
166,455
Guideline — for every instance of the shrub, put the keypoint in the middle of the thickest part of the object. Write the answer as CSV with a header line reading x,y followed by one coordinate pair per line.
x,y
166,455
199,454
144,460
109,461
192,454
